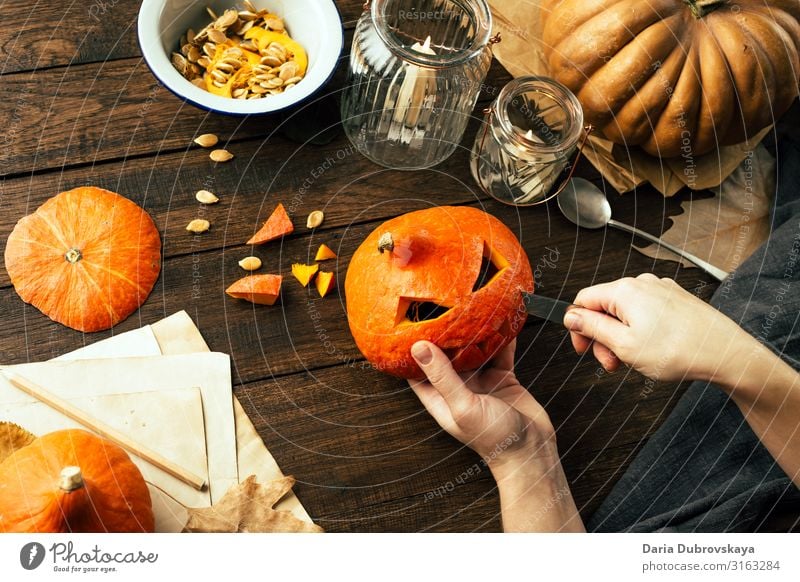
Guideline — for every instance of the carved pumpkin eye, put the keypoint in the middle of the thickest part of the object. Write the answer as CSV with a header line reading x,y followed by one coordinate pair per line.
x,y
492,264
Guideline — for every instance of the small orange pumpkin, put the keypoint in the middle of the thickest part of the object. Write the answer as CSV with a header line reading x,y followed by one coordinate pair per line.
x,y
452,275
73,481
87,258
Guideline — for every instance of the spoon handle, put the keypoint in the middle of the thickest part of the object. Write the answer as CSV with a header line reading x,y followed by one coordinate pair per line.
x,y
718,274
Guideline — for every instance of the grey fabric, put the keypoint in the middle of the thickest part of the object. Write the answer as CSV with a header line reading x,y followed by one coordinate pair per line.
x,y
704,470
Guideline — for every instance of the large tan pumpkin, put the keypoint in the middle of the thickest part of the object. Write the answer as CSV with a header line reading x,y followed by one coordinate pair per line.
x,y
676,77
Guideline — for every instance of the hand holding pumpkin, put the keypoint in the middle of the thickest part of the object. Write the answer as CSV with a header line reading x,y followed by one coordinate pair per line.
x,y
492,413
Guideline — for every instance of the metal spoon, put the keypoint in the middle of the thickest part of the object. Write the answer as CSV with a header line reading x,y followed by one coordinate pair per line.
x,y
585,205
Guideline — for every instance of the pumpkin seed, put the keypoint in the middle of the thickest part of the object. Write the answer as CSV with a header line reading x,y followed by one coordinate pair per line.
x,y
274,24
250,263
217,36
198,225
228,18
221,155
315,219
287,70
206,197
200,53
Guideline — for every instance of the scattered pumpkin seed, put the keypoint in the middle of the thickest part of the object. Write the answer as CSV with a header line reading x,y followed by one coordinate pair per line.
x,y
221,155
198,225
250,263
315,219
206,197
207,140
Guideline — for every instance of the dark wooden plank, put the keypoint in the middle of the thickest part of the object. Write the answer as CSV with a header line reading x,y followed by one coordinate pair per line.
x,y
91,113
357,437
335,178
52,34
304,332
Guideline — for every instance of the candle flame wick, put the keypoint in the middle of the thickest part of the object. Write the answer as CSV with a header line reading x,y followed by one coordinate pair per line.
x,y
529,135
427,44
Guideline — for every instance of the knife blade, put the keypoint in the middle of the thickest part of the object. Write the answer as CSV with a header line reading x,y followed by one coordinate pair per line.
x,y
545,307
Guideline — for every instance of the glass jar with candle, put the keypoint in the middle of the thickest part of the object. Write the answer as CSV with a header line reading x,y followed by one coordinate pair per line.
x,y
416,68
529,134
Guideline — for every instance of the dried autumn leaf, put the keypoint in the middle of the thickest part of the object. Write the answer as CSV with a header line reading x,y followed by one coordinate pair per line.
x,y
248,507
728,228
12,438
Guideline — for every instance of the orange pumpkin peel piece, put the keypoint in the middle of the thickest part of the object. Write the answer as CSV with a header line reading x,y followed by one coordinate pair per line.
x,y
324,253
87,258
304,273
259,289
324,283
277,225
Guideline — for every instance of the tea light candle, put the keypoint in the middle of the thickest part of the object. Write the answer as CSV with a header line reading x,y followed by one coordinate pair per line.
x,y
415,90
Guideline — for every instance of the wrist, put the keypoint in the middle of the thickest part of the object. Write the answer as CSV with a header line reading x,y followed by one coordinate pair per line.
x,y
535,497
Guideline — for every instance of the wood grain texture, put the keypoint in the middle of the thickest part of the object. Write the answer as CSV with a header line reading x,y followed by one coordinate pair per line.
x,y
58,34
81,108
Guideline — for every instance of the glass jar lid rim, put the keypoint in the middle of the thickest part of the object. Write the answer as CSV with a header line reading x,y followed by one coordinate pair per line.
x,y
531,83
479,42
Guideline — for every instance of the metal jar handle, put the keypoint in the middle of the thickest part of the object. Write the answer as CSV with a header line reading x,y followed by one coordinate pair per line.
x,y
489,112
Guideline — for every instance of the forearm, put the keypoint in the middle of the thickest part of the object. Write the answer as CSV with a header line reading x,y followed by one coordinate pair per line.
x,y
535,501
767,391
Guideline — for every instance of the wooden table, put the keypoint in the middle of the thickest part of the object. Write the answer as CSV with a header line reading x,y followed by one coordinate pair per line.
x,y
80,107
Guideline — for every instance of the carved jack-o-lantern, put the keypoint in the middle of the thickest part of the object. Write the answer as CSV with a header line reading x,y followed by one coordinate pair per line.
x,y
451,275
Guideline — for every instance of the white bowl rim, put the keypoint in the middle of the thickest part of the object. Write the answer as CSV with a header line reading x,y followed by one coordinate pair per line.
x,y
160,66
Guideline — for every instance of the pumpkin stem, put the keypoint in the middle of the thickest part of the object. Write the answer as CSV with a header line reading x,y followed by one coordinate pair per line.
x,y
700,8
386,242
70,479
73,256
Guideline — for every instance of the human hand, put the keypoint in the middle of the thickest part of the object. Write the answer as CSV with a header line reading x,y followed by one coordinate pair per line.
x,y
487,410
492,413
655,326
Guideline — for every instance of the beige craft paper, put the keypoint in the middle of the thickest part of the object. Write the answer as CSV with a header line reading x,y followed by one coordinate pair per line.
x,y
520,52
209,372
141,416
178,334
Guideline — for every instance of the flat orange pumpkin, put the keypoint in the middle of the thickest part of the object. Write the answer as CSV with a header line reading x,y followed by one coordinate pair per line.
x,y
453,276
87,258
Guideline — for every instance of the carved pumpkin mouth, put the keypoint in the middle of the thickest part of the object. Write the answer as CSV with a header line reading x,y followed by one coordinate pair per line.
x,y
416,310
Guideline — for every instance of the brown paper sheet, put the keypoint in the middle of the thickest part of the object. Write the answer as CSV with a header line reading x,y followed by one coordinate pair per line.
x,y
177,334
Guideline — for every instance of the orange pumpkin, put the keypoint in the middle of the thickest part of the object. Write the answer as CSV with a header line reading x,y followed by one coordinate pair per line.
x,y
677,77
73,481
87,258
450,275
